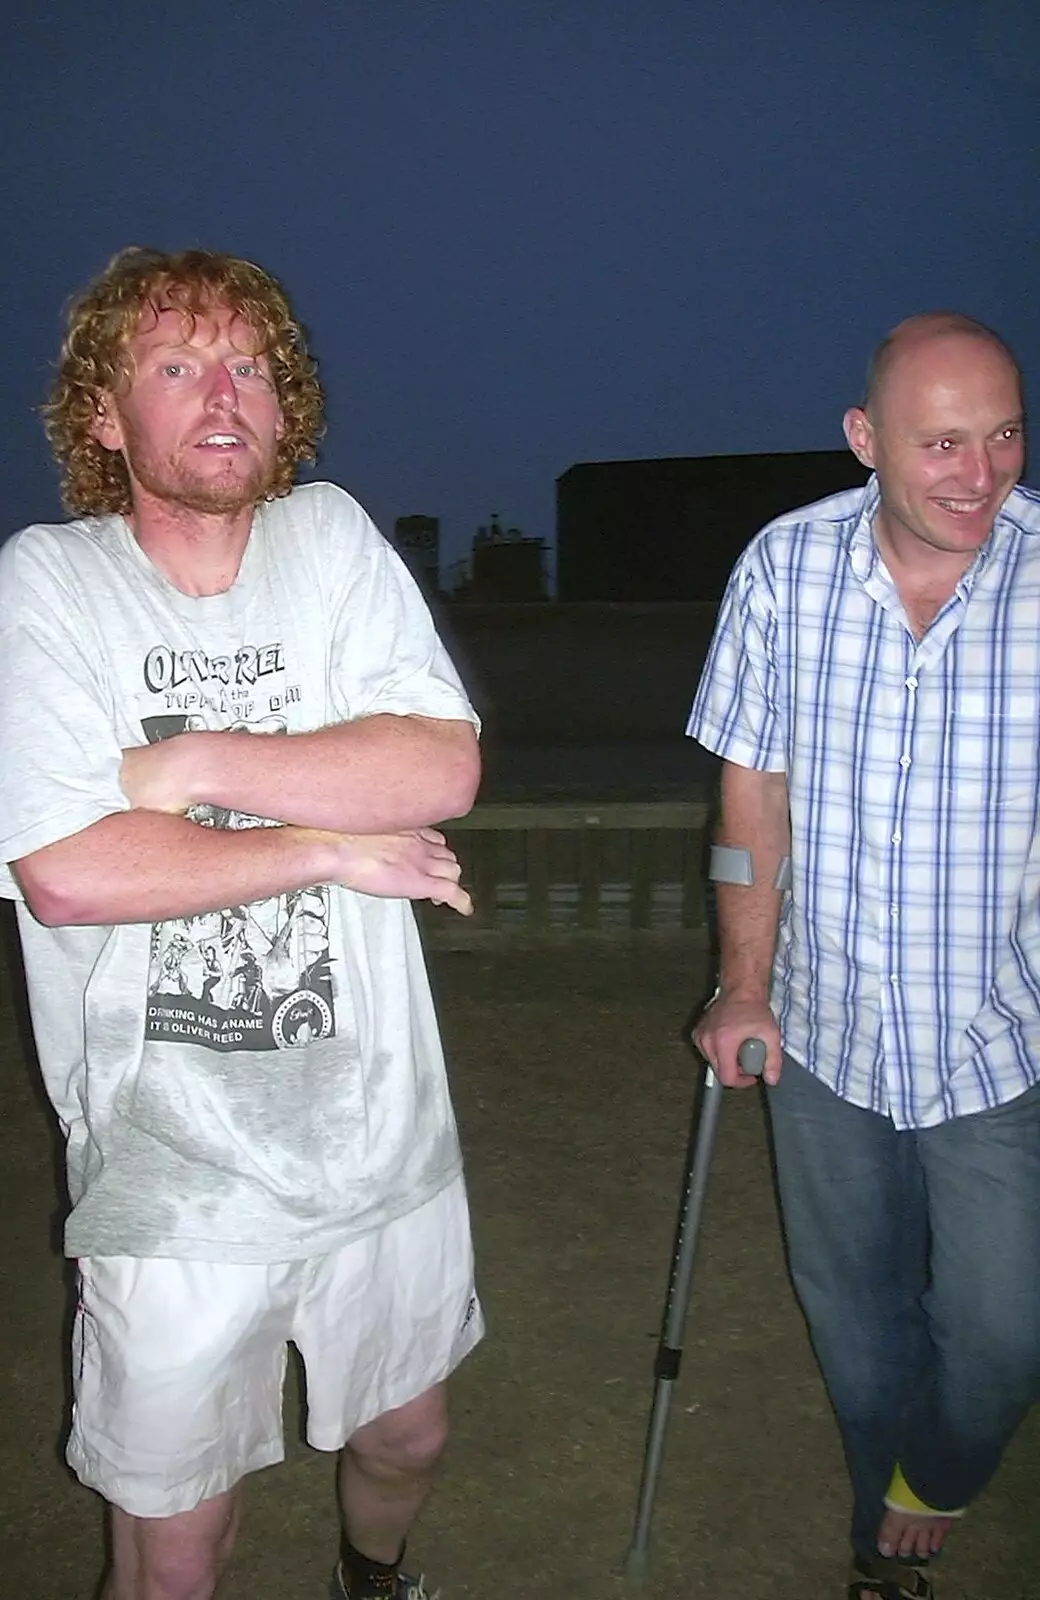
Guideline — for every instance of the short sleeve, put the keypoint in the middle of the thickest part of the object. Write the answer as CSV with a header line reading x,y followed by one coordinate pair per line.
x,y
59,754
735,712
385,653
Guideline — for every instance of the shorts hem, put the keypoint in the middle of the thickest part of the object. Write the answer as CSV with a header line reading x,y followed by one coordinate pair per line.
x,y
338,1437
125,1490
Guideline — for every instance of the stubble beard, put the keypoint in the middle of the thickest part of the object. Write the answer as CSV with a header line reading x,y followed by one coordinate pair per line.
x,y
173,483
910,531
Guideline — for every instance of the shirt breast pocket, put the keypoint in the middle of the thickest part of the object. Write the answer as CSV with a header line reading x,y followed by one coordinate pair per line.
x,y
979,710
994,739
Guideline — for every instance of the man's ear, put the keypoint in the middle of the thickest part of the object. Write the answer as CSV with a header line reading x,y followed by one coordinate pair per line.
x,y
106,427
859,431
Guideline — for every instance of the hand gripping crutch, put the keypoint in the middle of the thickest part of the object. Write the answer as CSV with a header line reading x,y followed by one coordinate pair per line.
x,y
751,1057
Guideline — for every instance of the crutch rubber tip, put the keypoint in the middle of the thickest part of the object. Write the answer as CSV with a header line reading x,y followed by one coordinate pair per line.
x,y
637,1566
751,1057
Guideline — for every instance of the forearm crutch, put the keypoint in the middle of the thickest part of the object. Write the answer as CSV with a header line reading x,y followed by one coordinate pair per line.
x,y
704,1124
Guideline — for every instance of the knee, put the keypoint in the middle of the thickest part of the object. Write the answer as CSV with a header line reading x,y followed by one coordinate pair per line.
x,y
1014,1348
175,1558
169,1574
407,1441
994,1352
183,1576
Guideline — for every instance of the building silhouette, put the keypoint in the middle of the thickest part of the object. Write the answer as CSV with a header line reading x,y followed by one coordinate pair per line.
x,y
418,540
506,565
672,529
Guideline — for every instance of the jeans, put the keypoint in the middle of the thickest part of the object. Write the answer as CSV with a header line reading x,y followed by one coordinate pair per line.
x,y
915,1256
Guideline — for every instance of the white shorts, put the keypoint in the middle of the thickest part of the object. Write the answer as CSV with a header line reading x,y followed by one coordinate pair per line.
x,y
178,1366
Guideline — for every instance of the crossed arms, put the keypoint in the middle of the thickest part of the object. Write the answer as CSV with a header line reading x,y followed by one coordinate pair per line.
x,y
357,799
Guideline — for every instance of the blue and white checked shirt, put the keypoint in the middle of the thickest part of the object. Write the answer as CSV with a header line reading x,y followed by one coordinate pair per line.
x,y
907,974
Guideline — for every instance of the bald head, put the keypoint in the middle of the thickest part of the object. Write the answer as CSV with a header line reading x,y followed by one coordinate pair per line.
x,y
942,429
910,337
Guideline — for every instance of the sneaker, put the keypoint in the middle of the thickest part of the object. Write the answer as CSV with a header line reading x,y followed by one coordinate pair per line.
x,y
407,1588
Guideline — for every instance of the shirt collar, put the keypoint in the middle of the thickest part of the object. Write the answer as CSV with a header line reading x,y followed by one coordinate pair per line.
x,y
863,552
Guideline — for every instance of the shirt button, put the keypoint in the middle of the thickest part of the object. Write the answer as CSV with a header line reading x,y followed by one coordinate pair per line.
x,y
911,683
897,838
904,761
893,978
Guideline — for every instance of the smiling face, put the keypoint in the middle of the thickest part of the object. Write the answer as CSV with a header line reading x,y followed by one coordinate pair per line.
x,y
945,436
198,420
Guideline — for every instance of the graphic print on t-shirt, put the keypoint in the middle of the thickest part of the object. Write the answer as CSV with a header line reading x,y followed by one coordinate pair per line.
x,y
250,977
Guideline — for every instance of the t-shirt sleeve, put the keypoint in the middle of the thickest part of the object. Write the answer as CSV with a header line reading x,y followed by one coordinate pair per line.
x,y
386,655
59,754
735,711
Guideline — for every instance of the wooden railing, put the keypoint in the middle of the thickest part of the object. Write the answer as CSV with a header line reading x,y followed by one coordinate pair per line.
x,y
610,870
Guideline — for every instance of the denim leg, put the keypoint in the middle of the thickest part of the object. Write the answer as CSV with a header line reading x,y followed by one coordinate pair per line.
x,y
982,1175
855,1221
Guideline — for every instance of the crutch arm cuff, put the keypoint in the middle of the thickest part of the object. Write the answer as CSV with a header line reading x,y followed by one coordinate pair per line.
x,y
733,864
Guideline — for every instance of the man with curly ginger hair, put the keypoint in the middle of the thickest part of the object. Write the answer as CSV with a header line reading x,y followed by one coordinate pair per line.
x,y
228,728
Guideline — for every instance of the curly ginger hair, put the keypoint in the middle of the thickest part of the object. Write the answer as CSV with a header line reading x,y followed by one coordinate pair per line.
x,y
94,361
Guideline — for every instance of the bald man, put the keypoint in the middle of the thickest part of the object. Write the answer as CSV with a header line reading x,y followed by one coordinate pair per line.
x,y
873,688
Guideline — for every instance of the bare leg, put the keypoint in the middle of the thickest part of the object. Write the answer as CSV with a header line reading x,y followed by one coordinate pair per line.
x,y
172,1558
386,1471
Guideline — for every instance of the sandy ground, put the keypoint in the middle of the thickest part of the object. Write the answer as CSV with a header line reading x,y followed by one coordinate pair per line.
x,y
573,1090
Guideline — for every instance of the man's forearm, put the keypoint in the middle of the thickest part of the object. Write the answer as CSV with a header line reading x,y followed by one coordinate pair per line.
x,y
754,817
380,774
142,866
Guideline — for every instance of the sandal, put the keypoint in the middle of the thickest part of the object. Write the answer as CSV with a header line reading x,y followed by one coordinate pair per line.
x,y
889,1578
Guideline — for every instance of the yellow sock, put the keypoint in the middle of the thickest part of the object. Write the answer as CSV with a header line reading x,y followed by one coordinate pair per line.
x,y
901,1497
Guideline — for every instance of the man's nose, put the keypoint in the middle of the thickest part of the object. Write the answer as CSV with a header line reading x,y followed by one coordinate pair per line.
x,y
977,469
220,390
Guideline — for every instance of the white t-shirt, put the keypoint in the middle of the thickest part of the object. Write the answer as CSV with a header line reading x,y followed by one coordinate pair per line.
x,y
265,1082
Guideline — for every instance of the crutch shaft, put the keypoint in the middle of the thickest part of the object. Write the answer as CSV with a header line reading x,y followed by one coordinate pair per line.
x,y
677,1300
751,1057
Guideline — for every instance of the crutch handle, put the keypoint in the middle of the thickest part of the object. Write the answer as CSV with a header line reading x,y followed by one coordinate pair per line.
x,y
751,1057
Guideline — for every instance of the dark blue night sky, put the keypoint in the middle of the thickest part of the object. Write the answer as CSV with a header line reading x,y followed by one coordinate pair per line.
x,y
525,234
